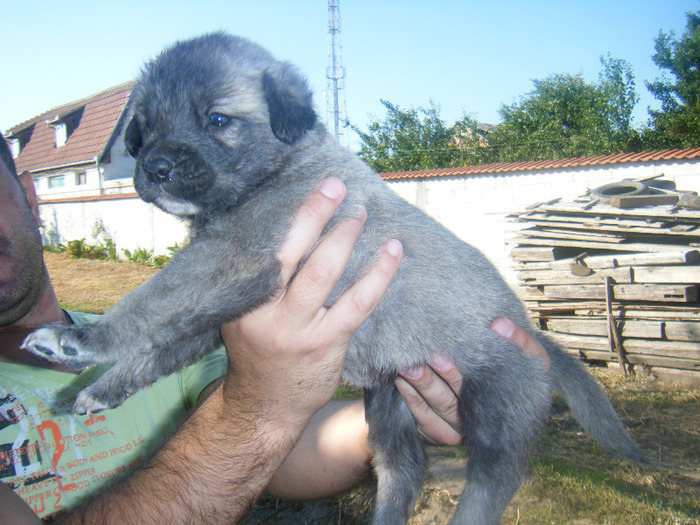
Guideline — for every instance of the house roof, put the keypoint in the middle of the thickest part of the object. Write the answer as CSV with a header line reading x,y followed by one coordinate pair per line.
x,y
539,165
99,119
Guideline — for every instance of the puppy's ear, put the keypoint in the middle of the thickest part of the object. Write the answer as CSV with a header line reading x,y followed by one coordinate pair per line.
x,y
289,102
132,138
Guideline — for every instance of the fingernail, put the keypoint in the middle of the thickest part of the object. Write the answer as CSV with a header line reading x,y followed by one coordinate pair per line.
x,y
503,327
412,373
332,187
394,247
441,362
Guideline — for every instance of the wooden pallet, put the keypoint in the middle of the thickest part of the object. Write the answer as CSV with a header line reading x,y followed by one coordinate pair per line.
x,y
570,256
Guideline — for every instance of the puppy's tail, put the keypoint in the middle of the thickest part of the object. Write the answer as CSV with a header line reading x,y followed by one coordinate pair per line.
x,y
589,403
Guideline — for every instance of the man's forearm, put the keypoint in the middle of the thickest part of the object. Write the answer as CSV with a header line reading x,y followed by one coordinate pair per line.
x,y
211,471
331,457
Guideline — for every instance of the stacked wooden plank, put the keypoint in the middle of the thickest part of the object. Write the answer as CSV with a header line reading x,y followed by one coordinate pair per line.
x,y
571,256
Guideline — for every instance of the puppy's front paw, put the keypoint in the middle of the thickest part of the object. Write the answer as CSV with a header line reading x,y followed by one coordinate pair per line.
x,y
101,395
62,344
43,342
86,403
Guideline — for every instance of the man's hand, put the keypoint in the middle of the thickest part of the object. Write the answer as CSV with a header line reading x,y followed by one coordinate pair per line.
x,y
432,395
286,357
511,331
432,392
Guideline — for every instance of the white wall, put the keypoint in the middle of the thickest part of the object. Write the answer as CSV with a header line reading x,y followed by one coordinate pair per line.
x,y
475,208
131,223
121,164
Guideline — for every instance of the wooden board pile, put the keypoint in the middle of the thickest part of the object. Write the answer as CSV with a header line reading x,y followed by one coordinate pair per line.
x,y
615,284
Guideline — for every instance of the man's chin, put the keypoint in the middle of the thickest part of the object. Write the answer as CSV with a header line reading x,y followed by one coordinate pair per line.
x,y
11,314
19,294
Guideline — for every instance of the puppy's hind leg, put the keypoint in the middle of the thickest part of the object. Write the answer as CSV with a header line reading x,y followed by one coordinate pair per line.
x,y
502,415
398,454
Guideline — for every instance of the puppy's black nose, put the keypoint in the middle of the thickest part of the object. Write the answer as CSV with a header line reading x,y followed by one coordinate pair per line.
x,y
157,170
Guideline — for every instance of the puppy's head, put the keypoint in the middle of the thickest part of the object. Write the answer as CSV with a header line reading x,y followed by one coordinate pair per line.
x,y
212,119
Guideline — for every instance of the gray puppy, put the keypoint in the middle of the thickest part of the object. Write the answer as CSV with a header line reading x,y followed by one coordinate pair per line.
x,y
226,137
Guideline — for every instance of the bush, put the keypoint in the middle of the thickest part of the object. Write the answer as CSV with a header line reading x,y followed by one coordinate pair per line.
x,y
79,249
111,249
139,256
107,250
146,257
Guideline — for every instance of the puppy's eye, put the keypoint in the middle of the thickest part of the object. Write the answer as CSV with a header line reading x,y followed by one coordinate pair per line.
x,y
219,120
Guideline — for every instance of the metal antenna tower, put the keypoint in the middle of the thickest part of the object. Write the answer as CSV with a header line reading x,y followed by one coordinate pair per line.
x,y
335,73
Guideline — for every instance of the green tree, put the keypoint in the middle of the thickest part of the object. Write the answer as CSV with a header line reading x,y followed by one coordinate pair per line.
x,y
677,123
565,116
415,139
617,87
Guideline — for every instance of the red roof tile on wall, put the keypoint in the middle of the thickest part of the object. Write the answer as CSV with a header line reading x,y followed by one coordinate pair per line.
x,y
512,167
96,125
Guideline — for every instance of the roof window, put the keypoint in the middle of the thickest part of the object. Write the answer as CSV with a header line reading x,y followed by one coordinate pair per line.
x,y
65,125
19,140
14,148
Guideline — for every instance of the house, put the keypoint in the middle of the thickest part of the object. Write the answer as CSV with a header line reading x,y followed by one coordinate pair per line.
x,y
83,175
74,150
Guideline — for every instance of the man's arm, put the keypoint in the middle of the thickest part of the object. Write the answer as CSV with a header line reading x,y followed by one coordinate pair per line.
x,y
14,509
280,374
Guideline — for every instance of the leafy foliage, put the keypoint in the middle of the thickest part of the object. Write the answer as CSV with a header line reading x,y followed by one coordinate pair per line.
x,y
106,250
414,139
78,249
677,123
146,257
565,116
99,231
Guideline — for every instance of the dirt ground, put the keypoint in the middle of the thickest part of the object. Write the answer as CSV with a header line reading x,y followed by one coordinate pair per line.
x,y
571,482
566,471
91,285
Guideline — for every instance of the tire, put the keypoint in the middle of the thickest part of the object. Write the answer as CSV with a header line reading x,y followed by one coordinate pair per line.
x,y
620,189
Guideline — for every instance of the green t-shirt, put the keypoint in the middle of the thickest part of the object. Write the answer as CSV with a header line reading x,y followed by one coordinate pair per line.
x,y
55,459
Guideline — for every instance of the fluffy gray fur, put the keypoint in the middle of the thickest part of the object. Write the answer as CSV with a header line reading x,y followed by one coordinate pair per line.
x,y
226,137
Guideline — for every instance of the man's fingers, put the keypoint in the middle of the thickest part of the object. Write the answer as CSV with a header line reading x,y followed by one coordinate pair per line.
x,y
432,425
514,333
313,284
357,303
308,223
446,368
439,387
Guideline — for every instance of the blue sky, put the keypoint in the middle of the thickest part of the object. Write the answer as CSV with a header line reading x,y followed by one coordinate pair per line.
x,y
468,57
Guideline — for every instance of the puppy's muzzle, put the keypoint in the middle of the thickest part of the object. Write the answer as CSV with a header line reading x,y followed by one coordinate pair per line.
x,y
158,170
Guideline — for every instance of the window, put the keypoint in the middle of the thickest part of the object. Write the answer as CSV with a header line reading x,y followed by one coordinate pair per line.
x,y
61,134
64,125
14,148
20,139
80,178
57,181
